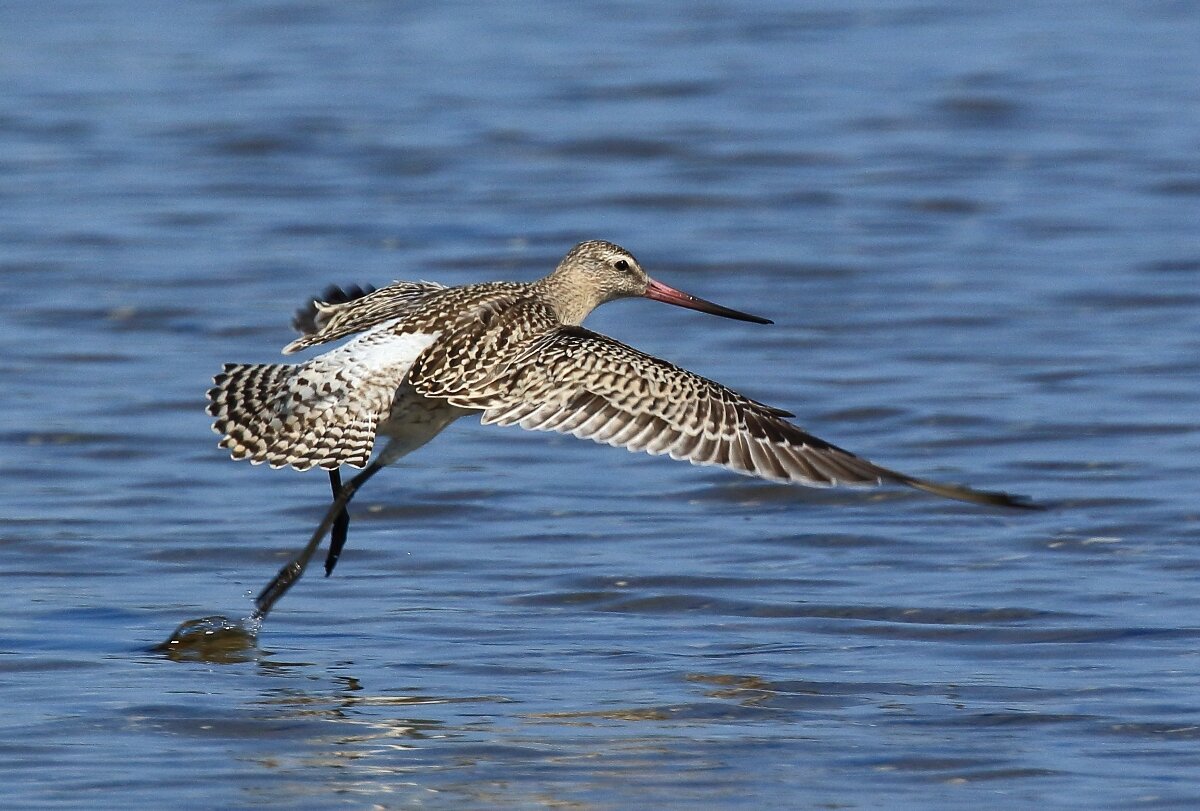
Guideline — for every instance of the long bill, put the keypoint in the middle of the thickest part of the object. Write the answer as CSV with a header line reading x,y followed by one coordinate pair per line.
x,y
661,292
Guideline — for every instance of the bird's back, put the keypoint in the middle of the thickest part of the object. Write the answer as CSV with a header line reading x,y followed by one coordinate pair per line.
x,y
403,307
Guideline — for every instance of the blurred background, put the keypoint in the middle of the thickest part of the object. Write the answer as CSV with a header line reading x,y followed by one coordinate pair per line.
x,y
974,224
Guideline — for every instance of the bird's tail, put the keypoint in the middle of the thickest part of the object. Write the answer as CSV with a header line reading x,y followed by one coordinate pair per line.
x,y
289,415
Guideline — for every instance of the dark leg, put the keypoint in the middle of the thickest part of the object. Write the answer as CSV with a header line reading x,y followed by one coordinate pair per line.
x,y
292,570
341,526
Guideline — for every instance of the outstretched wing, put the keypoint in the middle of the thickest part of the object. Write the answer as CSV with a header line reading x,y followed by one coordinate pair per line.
x,y
578,382
345,311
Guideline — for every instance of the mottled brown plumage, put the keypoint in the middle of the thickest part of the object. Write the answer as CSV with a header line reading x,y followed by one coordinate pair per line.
x,y
515,354
423,355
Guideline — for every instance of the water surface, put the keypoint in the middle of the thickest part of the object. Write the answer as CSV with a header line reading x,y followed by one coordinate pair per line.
x,y
975,226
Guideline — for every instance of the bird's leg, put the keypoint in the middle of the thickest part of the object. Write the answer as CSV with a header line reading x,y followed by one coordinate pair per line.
x,y
337,539
294,568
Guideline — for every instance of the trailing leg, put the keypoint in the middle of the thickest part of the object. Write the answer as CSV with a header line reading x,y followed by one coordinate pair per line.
x,y
294,568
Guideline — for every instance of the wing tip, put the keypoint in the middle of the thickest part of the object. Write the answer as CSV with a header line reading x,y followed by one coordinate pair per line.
x,y
307,320
989,498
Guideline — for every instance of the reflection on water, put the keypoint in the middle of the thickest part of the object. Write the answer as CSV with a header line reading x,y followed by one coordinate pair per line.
x,y
974,227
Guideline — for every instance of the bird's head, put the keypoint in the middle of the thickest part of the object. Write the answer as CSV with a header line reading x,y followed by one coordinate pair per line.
x,y
595,272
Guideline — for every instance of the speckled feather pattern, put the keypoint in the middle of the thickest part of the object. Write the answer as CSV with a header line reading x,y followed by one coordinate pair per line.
x,y
578,382
344,313
326,412
513,352
321,413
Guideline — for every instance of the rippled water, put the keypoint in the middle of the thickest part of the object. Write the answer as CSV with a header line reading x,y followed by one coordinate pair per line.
x,y
976,226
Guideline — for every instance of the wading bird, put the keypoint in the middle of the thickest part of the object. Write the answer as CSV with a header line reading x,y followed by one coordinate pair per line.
x,y
514,353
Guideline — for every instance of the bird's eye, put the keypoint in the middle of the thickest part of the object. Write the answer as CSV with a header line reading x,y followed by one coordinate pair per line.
x,y
621,264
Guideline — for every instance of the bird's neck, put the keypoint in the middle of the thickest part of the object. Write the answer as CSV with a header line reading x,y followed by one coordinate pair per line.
x,y
570,301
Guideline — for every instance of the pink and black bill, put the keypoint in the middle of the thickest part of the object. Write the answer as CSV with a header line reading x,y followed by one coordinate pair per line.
x,y
661,292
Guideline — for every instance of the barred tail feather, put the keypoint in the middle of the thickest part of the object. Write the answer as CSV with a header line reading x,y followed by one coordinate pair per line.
x,y
283,415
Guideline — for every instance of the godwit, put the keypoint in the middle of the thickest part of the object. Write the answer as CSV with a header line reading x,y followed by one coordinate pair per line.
x,y
514,353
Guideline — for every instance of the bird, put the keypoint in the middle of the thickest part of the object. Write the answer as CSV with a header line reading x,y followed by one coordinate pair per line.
x,y
421,355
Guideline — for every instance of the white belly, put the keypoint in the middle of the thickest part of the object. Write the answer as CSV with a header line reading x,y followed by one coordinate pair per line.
x,y
369,373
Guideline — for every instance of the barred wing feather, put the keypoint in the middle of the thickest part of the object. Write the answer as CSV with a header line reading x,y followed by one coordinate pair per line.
x,y
578,382
354,309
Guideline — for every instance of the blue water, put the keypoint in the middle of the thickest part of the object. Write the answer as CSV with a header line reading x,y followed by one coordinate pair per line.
x,y
976,225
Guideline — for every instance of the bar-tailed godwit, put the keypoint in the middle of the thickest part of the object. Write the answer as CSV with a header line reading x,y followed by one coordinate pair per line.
x,y
424,355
